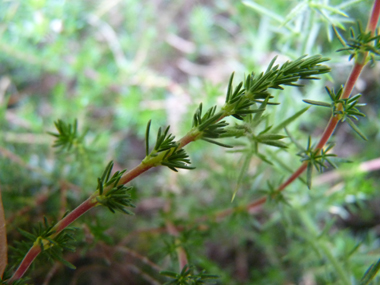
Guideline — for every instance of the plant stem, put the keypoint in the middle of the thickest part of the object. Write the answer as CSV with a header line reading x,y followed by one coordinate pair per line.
x,y
372,23
310,234
354,75
89,204
33,252
75,214
190,137
329,130
133,173
338,268
61,225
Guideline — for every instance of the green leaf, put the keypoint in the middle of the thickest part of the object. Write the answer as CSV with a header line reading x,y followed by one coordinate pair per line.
x,y
329,8
217,143
27,235
243,171
371,272
309,172
289,120
147,138
317,103
169,273
274,143
263,11
297,144
339,36
271,137
294,12
356,129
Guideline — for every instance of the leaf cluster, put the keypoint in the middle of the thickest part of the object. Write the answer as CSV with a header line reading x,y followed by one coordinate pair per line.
x,y
274,195
67,136
345,109
187,276
239,100
173,157
269,139
209,125
316,158
111,195
52,246
360,43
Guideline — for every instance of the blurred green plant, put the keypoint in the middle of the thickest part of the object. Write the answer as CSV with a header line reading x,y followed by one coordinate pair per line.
x,y
114,58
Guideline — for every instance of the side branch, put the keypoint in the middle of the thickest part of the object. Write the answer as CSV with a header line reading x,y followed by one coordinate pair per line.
x,y
374,17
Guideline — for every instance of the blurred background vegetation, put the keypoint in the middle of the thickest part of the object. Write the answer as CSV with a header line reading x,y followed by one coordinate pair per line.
x,y
115,64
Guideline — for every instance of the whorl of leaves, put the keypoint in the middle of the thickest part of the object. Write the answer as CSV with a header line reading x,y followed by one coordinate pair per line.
x,y
117,197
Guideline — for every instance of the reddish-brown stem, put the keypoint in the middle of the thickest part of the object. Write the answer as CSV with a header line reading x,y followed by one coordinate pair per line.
x,y
329,130
349,86
256,203
62,224
372,23
351,80
87,205
186,140
33,252
293,177
91,202
133,173
75,214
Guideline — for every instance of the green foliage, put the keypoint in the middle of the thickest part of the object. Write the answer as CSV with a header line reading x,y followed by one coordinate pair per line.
x,y
187,276
23,281
209,126
165,144
255,90
274,195
316,158
52,246
345,109
370,273
98,62
178,158
360,43
112,195
67,137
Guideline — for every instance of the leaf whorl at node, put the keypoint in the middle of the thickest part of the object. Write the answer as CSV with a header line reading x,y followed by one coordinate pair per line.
x,y
66,136
346,109
360,42
177,158
188,276
52,246
274,195
164,141
118,197
317,158
209,125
